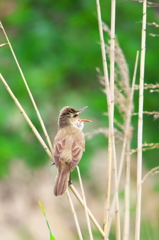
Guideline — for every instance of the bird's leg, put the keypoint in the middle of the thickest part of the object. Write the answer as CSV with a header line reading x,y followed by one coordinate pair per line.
x,y
70,180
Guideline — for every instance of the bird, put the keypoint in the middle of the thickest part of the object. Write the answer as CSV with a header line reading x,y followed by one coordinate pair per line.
x,y
69,145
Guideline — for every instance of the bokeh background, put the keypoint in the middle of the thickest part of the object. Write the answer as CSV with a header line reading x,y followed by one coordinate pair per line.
x,y
57,46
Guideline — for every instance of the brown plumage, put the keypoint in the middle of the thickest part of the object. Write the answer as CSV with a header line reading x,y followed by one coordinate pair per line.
x,y
69,145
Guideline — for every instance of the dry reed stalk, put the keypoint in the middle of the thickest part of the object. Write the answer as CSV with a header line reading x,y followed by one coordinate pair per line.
x,y
140,124
122,100
28,90
126,140
126,153
148,86
153,24
85,205
145,147
26,118
112,52
148,146
75,216
126,227
94,221
111,116
3,44
107,89
110,102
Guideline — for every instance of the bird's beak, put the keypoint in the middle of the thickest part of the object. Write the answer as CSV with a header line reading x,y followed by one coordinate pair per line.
x,y
85,120
81,110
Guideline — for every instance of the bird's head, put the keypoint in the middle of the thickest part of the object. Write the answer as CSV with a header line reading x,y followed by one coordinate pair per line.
x,y
70,117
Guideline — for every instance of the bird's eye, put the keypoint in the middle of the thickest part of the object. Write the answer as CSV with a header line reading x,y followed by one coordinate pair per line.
x,y
75,115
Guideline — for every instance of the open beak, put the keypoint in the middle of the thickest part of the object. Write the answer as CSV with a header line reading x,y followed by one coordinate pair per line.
x,y
85,120
81,110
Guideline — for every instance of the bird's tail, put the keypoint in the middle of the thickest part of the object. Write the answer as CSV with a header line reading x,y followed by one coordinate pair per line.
x,y
61,182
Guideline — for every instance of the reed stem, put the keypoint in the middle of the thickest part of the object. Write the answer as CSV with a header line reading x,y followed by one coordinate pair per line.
x,y
140,124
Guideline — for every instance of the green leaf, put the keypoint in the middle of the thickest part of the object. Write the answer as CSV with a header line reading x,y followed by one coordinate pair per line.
x,y
43,211
52,237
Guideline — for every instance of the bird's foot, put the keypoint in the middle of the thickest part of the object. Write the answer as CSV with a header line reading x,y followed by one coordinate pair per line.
x,y
69,181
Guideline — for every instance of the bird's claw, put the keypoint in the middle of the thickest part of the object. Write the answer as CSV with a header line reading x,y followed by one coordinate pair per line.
x,y
69,182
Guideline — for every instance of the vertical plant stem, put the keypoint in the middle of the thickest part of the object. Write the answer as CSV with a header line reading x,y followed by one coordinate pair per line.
x,y
111,125
126,150
127,134
112,51
75,216
140,125
102,43
107,89
29,92
85,205
126,231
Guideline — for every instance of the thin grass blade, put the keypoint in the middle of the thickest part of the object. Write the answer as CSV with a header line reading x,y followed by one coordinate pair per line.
x,y
43,211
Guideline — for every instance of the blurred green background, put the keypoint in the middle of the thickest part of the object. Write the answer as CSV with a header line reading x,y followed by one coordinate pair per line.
x,y
57,46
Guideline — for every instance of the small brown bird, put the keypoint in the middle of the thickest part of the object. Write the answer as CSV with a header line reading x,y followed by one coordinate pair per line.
x,y
69,145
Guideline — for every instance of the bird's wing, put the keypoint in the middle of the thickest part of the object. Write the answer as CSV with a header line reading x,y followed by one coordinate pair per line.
x,y
59,145
77,151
